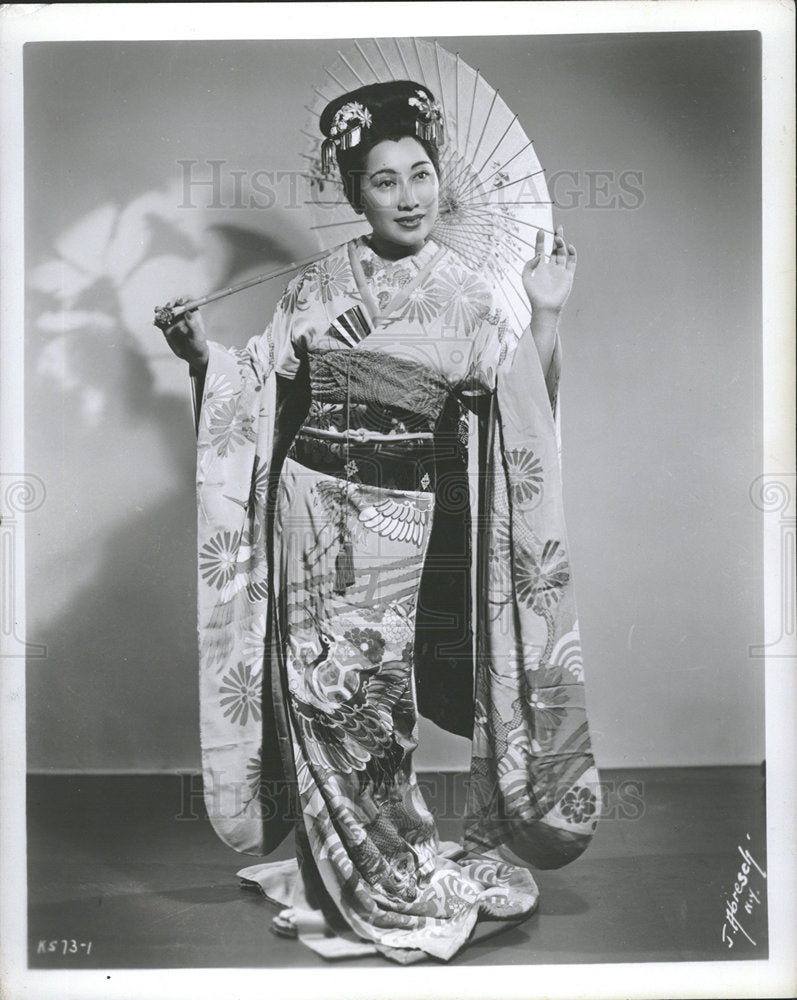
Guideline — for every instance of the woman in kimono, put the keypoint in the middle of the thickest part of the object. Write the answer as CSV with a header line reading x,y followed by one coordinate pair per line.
x,y
334,583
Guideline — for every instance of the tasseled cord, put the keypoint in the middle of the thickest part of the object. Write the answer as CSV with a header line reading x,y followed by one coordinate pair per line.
x,y
344,560
344,567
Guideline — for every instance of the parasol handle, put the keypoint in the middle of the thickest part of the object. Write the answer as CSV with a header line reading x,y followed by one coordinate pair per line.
x,y
166,316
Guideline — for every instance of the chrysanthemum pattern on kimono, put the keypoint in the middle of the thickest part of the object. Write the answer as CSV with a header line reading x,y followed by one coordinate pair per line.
x,y
335,658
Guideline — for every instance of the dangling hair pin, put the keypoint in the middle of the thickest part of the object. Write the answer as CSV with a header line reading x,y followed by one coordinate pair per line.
x,y
346,131
429,123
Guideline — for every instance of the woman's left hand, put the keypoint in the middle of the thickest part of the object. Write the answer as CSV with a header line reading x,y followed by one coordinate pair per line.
x,y
548,280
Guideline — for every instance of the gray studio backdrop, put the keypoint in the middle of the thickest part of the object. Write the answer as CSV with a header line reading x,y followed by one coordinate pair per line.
x,y
651,146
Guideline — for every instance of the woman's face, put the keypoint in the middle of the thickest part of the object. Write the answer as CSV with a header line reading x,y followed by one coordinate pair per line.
x,y
399,196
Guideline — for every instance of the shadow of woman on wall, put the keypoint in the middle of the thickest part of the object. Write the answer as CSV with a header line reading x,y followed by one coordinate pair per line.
x,y
110,554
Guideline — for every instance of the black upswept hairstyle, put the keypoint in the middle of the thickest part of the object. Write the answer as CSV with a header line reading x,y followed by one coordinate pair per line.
x,y
392,117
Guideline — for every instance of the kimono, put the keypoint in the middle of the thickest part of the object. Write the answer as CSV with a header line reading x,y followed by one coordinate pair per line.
x,y
364,555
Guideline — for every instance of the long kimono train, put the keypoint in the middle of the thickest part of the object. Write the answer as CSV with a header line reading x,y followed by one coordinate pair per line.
x,y
334,512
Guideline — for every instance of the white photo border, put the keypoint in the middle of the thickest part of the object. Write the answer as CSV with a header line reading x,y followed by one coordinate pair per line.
x,y
775,976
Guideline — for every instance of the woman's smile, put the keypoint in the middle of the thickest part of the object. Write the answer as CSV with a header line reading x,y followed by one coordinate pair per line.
x,y
410,221
399,194
341,528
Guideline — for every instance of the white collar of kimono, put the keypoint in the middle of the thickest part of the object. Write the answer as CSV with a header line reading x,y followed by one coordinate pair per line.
x,y
416,261
425,261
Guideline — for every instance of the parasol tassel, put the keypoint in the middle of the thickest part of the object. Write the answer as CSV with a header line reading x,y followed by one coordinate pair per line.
x,y
344,567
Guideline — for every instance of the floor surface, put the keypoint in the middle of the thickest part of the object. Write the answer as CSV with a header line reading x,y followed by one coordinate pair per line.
x,y
126,872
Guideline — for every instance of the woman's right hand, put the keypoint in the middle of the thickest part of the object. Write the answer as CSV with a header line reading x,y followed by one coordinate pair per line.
x,y
186,337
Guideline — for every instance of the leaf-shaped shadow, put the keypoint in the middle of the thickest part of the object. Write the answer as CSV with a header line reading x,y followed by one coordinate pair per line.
x,y
165,239
247,247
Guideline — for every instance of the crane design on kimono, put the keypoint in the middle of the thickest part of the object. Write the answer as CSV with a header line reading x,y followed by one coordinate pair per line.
x,y
399,519
353,734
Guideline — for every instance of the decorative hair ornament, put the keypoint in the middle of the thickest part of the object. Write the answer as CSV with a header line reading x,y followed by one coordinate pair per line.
x,y
346,131
429,123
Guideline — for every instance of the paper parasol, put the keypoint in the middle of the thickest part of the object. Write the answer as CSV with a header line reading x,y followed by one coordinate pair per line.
x,y
493,195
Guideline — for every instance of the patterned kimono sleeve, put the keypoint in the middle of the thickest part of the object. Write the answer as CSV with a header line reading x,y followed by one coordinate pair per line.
x,y
495,345
277,350
235,438
525,347
289,359
492,349
294,303
524,358
534,790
